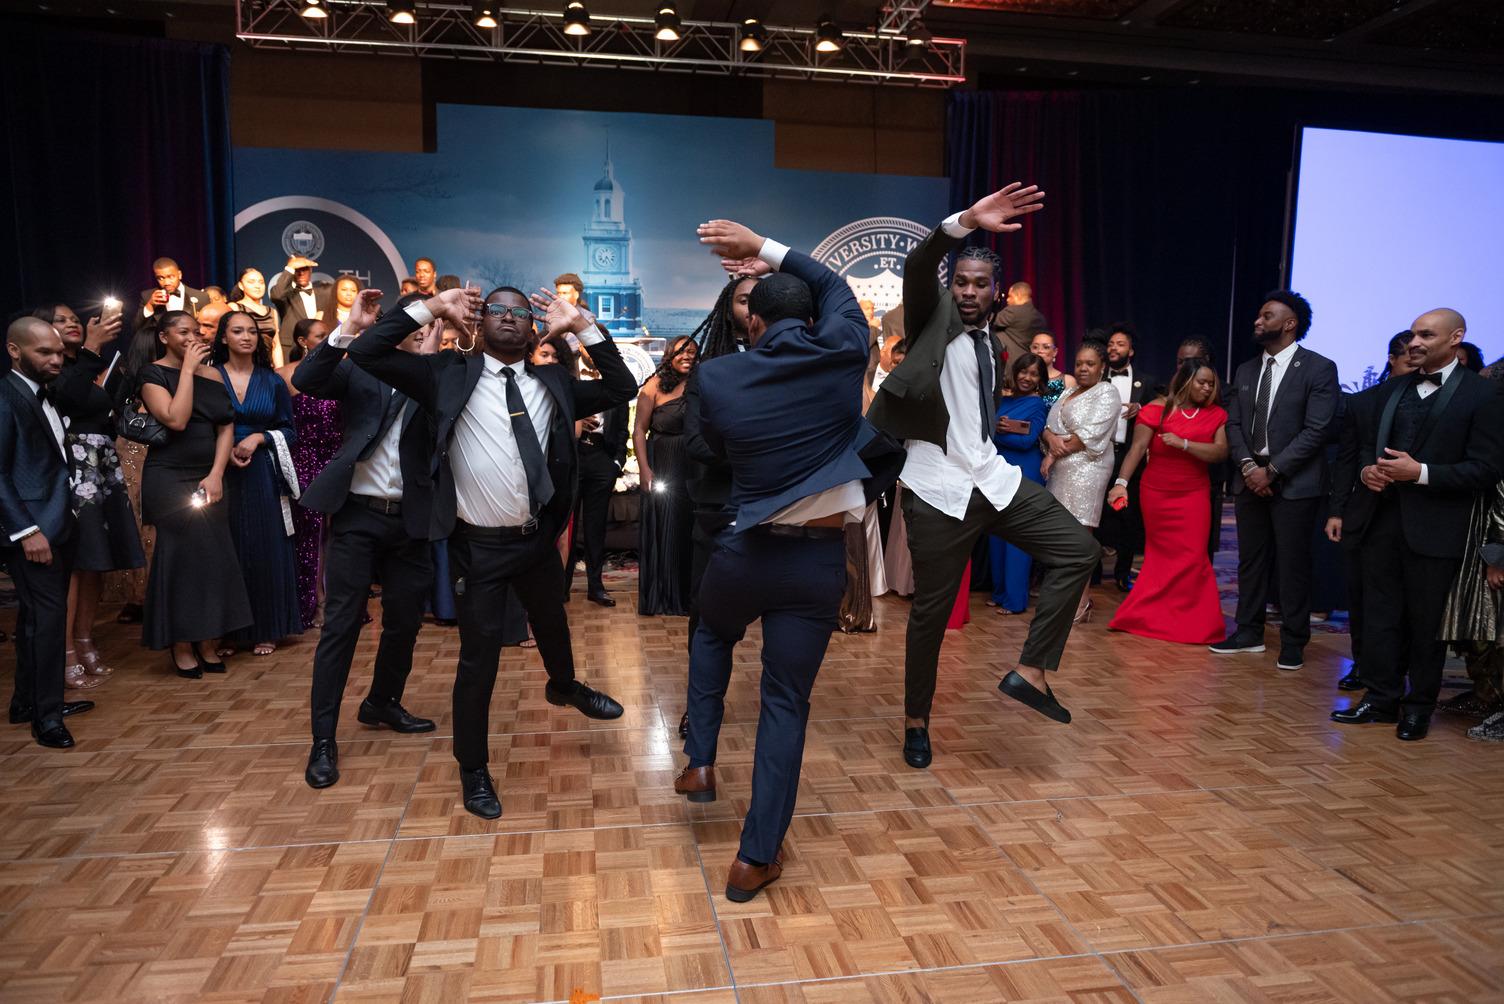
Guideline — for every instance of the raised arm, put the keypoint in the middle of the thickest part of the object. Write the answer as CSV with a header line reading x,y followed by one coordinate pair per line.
x,y
323,373
376,350
616,385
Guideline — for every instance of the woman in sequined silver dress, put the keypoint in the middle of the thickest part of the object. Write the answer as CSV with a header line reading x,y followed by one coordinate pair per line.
x,y
1077,442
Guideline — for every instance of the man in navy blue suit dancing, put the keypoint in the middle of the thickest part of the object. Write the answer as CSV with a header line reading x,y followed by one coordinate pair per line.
x,y
787,416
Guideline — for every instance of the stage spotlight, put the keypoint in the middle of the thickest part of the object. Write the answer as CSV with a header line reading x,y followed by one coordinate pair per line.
x,y
919,37
313,11
402,11
576,18
484,14
827,36
754,35
668,23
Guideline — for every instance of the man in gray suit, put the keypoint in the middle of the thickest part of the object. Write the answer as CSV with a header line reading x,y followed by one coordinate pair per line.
x,y
1013,330
1284,401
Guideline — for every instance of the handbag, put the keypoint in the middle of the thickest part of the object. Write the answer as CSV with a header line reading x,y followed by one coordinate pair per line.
x,y
139,425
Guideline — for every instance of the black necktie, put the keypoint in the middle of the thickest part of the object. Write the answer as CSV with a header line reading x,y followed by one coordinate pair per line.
x,y
1261,409
984,380
540,487
1420,378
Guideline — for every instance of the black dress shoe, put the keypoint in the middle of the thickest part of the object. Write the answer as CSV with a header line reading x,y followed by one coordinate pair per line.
x,y
391,714
1363,713
1042,701
480,796
323,764
591,703
602,597
56,736
443,621
1413,726
21,714
916,748
1352,681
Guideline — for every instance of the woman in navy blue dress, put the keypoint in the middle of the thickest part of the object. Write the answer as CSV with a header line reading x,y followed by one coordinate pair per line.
x,y
258,481
1020,420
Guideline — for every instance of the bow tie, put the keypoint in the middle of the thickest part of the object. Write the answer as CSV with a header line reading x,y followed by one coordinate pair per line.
x,y
43,395
1116,373
1431,378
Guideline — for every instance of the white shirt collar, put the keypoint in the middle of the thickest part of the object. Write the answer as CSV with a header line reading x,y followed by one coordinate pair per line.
x,y
1283,357
494,366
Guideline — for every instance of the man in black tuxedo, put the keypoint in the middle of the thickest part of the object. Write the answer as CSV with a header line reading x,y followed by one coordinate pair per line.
x,y
603,452
1345,485
1124,528
1431,443
170,293
1283,403
36,527
378,495
298,299
506,466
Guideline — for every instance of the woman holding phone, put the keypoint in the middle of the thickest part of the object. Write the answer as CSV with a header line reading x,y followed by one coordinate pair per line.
x,y
194,594
1020,421
1175,597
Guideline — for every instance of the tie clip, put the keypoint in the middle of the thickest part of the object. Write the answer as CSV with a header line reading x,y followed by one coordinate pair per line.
x,y
516,413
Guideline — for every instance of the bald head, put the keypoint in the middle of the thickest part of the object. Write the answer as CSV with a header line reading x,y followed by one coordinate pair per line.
x,y
24,331
36,349
1441,318
208,320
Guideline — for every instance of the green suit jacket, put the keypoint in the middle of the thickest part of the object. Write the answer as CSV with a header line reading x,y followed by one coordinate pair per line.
x,y
909,404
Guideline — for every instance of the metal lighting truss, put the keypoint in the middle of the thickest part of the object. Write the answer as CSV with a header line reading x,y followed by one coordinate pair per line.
x,y
445,29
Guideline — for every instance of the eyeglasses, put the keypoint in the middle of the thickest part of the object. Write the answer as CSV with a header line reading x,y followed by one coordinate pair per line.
x,y
501,310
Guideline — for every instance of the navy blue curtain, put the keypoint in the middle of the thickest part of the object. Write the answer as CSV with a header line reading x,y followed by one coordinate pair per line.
x,y
1165,208
117,151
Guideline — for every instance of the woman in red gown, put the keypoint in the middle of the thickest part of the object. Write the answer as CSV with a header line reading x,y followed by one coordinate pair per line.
x,y
1175,596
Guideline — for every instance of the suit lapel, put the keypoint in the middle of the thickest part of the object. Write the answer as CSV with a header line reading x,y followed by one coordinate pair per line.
x,y
30,397
1443,398
1386,417
1286,380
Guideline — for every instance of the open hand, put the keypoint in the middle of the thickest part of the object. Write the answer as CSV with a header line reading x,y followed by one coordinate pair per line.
x,y
298,261
727,239
461,307
995,211
559,315
363,311
742,268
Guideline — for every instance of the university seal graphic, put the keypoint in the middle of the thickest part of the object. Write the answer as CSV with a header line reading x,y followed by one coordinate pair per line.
x,y
869,255
302,237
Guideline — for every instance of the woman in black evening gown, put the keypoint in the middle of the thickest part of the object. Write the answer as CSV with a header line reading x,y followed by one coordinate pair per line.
x,y
195,594
667,518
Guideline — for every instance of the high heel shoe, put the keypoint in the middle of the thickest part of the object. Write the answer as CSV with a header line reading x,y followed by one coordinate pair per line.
x,y
1083,616
89,657
196,673
74,677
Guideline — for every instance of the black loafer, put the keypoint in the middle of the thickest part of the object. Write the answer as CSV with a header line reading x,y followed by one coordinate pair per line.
x,y
391,714
1363,713
916,748
480,796
1044,702
55,736
1352,681
323,764
1415,725
590,703
21,714
601,598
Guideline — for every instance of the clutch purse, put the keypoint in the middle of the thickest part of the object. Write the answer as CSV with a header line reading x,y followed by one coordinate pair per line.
x,y
140,426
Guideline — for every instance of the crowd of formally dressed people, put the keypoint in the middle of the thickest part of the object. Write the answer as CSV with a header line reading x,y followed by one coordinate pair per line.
x,y
255,464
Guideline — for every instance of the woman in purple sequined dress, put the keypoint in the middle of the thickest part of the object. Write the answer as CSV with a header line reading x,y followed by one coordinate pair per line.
x,y
319,430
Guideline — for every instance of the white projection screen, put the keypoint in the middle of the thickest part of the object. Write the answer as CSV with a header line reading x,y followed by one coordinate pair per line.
x,y
1388,227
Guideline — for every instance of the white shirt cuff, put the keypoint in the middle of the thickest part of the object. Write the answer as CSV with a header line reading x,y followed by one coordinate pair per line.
x,y
1425,476
952,226
773,253
418,311
22,533
591,336
341,338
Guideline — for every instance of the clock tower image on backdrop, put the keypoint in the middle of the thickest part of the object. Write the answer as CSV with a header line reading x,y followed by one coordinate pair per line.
x,y
614,294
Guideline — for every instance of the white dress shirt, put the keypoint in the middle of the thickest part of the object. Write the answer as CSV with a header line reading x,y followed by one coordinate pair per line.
x,y
1423,391
1124,384
490,483
174,302
55,421
310,301
1281,367
380,474
945,478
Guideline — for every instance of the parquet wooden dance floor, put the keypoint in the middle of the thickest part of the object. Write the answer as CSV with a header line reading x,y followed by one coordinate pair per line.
x,y
1200,833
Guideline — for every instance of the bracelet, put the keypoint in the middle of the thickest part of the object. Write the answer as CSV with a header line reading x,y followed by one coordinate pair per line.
x,y
1121,483
1185,444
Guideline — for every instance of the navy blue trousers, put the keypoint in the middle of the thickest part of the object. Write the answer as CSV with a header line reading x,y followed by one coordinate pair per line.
x,y
794,586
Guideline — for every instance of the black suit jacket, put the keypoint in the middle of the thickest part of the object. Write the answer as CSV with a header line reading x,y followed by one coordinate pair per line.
x,y
442,384
33,472
1300,419
1461,443
194,300
614,433
1142,389
290,307
368,411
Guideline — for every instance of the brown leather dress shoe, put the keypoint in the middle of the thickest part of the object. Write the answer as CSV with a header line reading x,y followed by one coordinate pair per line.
x,y
696,783
746,881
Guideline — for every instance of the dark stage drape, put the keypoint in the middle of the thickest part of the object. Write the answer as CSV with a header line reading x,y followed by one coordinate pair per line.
x,y
1166,208
117,151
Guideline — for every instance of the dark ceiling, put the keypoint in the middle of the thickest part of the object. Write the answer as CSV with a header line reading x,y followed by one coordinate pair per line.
x,y
1405,45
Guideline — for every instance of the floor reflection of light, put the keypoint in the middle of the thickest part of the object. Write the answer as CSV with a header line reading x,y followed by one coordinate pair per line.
x,y
216,839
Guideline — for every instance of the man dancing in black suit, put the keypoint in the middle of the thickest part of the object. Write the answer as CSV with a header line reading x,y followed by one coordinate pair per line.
x,y
506,469
1431,443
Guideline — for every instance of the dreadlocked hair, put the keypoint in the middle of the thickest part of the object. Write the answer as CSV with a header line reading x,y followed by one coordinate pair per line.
x,y
668,377
716,335
977,252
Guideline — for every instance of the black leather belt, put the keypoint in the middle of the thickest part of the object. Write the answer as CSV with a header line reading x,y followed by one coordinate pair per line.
x,y
498,532
802,532
387,507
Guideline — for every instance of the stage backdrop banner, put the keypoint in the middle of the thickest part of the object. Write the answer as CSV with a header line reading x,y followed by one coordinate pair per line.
x,y
517,196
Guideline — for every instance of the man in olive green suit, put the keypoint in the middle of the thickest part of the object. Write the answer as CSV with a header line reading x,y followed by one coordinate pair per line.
x,y
939,401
